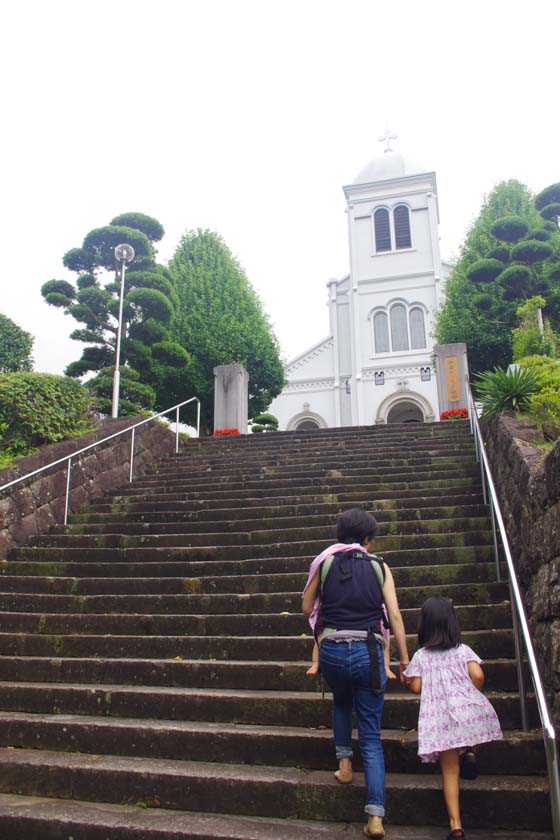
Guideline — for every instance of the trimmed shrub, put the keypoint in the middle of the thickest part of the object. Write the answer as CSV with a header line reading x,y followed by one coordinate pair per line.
x,y
40,408
264,423
551,211
541,234
500,252
484,303
548,196
516,277
509,228
484,271
531,251
139,221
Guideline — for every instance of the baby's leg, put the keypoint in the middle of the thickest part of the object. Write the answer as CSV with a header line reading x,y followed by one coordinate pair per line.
x,y
449,763
387,657
314,669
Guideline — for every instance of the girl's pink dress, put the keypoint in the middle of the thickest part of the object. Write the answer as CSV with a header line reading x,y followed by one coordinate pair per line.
x,y
453,712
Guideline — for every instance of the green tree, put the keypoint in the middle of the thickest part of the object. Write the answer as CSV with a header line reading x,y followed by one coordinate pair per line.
x,y
15,347
508,256
149,304
219,320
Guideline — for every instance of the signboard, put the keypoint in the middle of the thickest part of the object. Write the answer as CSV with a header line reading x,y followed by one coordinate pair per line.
x,y
452,379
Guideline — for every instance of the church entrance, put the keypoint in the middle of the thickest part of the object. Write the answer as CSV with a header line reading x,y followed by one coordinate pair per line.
x,y
405,412
307,425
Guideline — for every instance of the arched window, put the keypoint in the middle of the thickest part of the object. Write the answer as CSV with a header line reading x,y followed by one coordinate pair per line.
x,y
399,331
382,227
381,332
417,329
401,219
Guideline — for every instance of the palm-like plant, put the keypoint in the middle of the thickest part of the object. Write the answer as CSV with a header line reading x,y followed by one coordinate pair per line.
x,y
501,390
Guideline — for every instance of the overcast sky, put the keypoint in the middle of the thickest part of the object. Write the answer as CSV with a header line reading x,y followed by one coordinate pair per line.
x,y
247,117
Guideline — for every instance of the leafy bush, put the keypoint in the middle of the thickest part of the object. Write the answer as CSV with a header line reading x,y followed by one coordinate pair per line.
x,y
134,396
15,347
546,404
501,391
40,408
546,369
264,423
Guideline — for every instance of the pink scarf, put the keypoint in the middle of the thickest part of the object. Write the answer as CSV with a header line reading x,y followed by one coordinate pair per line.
x,y
315,565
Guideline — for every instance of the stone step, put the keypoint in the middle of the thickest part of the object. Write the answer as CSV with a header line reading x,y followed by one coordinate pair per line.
x,y
174,614
39,818
247,583
243,474
212,484
170,562
305,526
271,675
494,644
265,791
364,460
280,515
520,753
291,505
244,545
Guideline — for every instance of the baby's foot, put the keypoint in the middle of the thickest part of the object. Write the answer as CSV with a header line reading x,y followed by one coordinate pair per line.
x,y
390,674
313,670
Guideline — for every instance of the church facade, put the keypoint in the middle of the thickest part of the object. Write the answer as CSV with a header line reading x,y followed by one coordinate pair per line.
x,y
376,365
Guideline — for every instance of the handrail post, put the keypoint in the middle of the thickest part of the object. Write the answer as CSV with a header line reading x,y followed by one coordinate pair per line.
x,y
67,499
198,418
131,454
176,430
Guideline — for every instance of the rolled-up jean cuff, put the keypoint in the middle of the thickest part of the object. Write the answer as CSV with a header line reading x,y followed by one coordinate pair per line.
x,y
344,752
375,810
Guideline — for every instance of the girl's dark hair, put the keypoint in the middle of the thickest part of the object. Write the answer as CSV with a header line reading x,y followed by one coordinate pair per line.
x,y
438,628
356,526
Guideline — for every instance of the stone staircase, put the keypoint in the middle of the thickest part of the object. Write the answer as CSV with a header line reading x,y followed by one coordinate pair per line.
x,y
153,654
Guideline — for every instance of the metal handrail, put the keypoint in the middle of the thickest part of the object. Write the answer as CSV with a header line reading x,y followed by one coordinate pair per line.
x,y
131,429
519,621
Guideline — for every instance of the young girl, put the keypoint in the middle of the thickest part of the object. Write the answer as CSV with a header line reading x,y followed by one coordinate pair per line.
x,y
454,713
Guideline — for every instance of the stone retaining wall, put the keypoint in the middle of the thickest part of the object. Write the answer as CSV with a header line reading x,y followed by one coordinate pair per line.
x,y
528,485
33,506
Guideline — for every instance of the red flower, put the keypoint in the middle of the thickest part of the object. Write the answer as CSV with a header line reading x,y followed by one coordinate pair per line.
x,y
220,432
454,414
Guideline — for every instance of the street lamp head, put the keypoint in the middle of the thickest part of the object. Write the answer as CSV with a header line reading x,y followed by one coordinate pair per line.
x,y
124,253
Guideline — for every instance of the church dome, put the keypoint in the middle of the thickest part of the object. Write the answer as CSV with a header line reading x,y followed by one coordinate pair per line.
x,y
390,164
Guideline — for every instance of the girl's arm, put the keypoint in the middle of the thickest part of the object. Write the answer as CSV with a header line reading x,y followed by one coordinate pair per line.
x,y
395,618
309,595
415,684
476,674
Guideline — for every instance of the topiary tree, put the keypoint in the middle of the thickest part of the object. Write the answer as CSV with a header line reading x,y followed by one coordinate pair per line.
x,y
147,347
40,408
264,423
15,347
508,257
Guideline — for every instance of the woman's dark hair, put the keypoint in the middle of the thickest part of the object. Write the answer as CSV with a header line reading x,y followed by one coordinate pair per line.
x,y
438,628
356,526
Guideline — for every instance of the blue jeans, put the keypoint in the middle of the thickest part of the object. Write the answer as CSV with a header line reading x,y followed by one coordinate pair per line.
x,y
346,668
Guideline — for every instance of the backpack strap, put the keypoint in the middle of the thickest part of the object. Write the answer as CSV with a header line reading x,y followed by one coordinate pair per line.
x,y
376,564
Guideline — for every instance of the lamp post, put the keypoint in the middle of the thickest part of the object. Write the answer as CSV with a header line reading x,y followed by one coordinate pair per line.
x,y
124,254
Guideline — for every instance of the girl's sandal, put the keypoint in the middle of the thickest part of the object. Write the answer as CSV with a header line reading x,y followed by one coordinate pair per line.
x,y
468,768
343,776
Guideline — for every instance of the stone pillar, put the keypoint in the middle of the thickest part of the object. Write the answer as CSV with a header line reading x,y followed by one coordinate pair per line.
x,y
451,371
231,398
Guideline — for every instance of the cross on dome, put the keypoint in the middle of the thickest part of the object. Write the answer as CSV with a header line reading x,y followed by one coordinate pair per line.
x,y
387,137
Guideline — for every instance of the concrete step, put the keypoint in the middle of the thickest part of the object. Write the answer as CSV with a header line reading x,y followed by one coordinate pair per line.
x,y
265,791
232,674
247,583
520,753
487,643
175,614
40,818
263,529
193,562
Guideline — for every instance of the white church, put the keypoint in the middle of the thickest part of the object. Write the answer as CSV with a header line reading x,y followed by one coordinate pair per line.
x,y
376,365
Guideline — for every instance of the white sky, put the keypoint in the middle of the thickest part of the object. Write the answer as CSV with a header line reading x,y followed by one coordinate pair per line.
x,y
247,117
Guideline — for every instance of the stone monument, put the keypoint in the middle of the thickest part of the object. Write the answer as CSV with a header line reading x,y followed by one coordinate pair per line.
x,y
231,398
452,373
